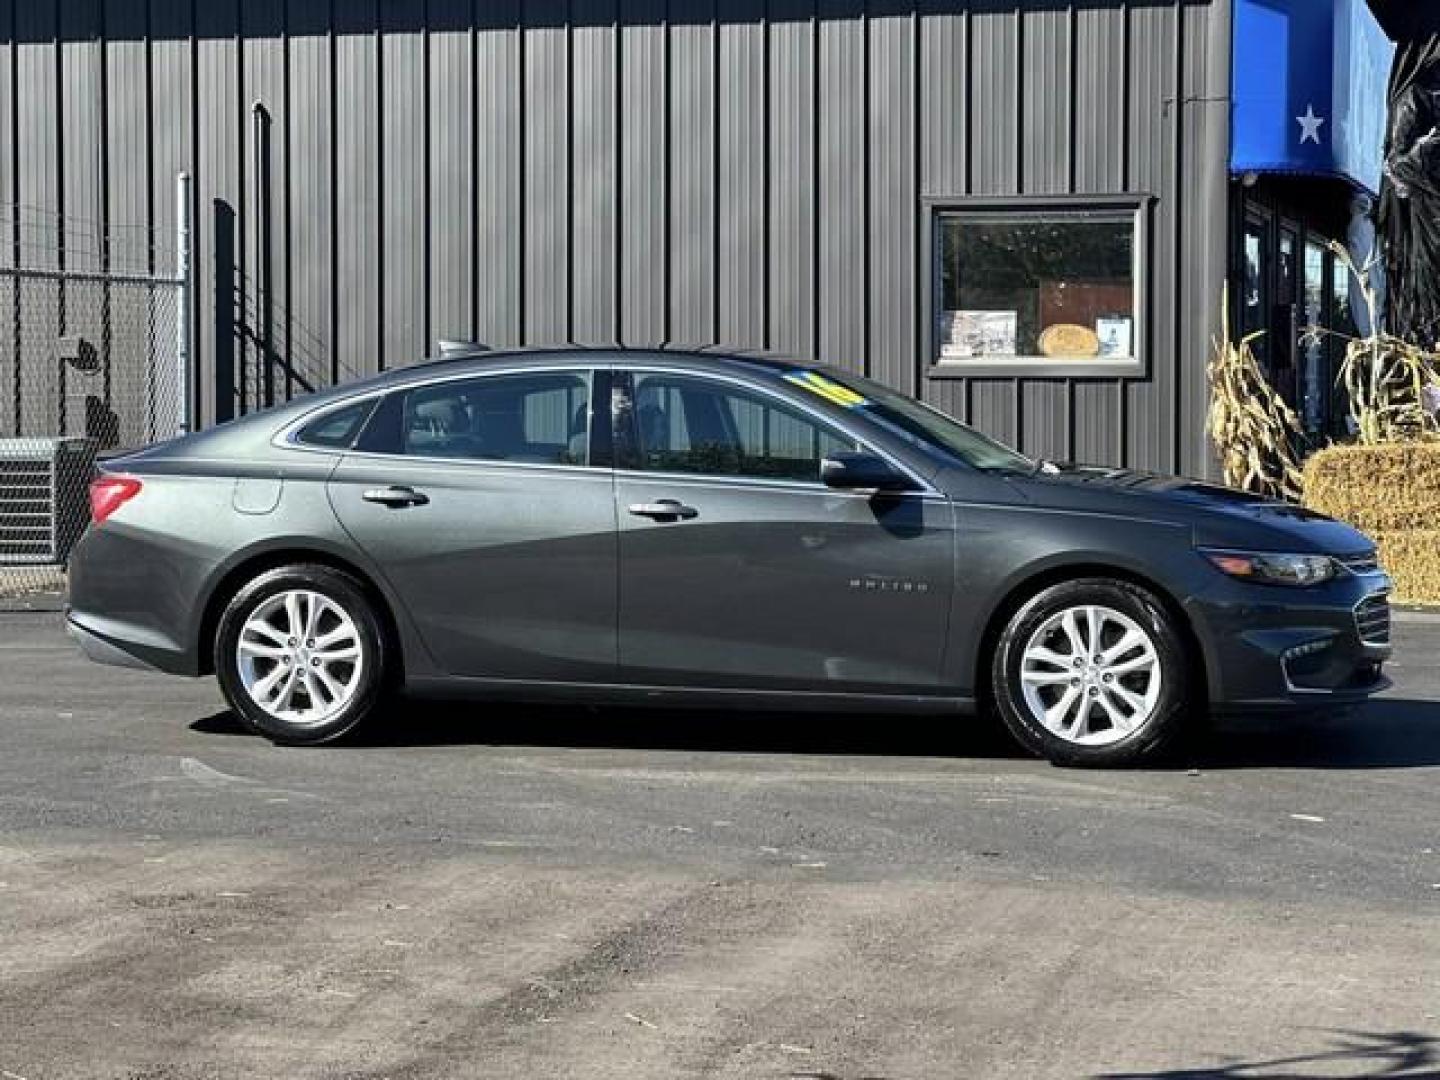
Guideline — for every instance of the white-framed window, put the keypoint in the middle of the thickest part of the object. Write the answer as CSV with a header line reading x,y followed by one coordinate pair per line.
x,y
1039,286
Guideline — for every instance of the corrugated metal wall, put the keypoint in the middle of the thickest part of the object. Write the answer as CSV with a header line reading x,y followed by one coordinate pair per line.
x,y
742,171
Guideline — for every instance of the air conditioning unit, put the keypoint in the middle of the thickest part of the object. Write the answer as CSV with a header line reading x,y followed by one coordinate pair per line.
x,y
44,501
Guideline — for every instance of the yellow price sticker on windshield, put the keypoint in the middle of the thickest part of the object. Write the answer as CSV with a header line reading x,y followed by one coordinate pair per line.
x,y
828,389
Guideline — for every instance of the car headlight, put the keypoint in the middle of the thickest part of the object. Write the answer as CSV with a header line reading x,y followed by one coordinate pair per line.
x,y
1270,569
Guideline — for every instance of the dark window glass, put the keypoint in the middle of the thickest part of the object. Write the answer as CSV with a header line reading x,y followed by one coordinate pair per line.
x,y
1255,295
1052,285
929,429
1313,378
700,426
539,419
336,430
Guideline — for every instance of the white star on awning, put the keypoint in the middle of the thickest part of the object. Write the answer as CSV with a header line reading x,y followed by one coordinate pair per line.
x,y
1310,126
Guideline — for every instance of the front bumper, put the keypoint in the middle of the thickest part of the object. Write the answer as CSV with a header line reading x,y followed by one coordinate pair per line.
x,y
1280,647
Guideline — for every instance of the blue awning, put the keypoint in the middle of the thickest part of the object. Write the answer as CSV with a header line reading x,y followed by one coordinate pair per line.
x,y
1309,89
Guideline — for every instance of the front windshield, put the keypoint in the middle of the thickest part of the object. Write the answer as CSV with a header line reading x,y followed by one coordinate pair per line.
x,y
927,428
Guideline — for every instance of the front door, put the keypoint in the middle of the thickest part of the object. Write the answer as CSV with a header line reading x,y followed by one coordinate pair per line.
x,y
738,568
478,500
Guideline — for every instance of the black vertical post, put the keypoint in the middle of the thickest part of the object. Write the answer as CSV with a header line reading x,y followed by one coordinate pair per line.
x,y
265,309
226,294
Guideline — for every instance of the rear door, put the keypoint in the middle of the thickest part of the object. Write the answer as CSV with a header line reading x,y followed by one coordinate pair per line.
x,y
738,568
490,510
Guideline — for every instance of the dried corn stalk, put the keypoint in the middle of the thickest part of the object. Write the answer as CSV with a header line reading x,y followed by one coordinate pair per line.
x,y
1254,431
1392,385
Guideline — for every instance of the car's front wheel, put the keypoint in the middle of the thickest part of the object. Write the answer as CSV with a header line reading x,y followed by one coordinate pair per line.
x,y
1092,672
300,654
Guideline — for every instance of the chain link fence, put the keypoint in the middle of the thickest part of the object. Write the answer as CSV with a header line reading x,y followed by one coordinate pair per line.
x,y
93,358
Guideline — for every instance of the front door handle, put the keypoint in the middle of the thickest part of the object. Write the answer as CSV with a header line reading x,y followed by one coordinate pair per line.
x,y
396,496
664,510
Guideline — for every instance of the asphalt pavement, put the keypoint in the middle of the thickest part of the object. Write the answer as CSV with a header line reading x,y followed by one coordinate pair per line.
x,y
495,892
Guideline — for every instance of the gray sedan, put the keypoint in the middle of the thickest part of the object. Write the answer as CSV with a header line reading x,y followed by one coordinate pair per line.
x,y
696,528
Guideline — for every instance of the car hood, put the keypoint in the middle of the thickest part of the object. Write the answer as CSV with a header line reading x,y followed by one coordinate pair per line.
x,y
1219,516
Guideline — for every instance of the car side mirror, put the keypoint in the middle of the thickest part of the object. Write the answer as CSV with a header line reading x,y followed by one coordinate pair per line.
x,y
852,471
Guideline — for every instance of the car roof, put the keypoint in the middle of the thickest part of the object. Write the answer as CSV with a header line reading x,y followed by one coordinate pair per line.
x,y
481,356
703,357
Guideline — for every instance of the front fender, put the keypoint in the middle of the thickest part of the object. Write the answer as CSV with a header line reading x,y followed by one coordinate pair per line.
x,y
1006,553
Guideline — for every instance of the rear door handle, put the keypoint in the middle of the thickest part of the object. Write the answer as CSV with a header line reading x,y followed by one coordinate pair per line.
x,y
396,496
664,510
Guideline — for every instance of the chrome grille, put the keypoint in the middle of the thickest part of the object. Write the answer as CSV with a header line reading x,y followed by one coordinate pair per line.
x,y
1372,619
1368,563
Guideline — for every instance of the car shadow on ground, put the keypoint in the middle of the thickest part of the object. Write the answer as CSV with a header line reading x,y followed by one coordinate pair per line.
x,y
1385,734
1388,733
435,723
1357,1054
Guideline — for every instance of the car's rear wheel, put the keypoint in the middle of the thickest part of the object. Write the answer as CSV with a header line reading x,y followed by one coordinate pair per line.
x,y
1092,672
300,654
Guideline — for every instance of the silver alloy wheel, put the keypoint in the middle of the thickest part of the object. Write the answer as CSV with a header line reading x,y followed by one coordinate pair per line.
x,y
300,657
1091,675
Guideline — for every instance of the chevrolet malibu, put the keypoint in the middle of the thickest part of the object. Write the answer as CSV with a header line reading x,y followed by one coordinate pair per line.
x,y
722,530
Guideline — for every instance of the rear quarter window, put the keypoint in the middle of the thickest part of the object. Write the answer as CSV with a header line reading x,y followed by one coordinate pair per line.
x,y
336,430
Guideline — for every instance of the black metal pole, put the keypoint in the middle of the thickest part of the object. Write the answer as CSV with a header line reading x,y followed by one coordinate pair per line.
x,y
260,139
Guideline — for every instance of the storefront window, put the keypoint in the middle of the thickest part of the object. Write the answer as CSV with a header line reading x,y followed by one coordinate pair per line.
x,y
1254,303
1052,288
1342,322
1312,342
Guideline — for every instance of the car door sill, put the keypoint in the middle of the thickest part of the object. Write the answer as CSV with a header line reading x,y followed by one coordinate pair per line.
x,y
682,696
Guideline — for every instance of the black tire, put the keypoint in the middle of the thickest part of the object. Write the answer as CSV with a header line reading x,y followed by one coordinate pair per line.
x,y
337,588
1168,719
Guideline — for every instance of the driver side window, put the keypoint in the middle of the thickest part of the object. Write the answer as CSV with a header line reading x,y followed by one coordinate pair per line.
x,y
685,424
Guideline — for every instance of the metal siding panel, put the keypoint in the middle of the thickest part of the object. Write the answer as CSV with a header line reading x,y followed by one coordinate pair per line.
x,y
127,135
219,155
742,173
596,183
9,293
83,123
547,173
497,177
38,135
644,213
405,337
310,197
951,396
1046,418
994,99
890,355
693,172
38,138
451,222
1148,416
172,61
844,292
792,194
944,112
263,47
7,133
1047,101
1204,231
172,151
993,408
356,348
1096,424
1100,99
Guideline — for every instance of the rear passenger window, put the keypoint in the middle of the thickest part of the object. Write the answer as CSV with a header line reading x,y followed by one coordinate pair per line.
x,y
539,419
336,430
